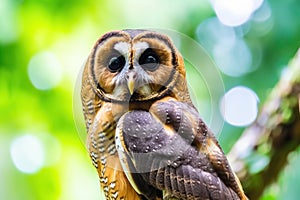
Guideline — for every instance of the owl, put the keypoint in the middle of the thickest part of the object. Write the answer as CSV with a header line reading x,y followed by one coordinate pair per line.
x,y
145,136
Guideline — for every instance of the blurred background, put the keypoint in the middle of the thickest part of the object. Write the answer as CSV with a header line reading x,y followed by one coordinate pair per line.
x,y
44,43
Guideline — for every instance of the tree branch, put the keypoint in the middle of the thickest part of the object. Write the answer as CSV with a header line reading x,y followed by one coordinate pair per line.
x,y
261,152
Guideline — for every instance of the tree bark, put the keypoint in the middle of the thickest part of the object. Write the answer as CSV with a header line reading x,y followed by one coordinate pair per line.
x,y
261,153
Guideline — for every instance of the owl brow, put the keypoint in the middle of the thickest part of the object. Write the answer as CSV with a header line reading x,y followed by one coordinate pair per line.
x,y
107,36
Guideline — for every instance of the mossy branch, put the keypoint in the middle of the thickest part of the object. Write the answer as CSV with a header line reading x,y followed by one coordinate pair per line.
x,y
261,153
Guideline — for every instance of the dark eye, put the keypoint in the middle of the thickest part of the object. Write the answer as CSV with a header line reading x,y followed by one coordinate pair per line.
x,y
116,63
149,60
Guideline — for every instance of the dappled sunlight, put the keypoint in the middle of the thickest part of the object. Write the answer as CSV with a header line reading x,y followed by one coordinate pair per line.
x,y
44,44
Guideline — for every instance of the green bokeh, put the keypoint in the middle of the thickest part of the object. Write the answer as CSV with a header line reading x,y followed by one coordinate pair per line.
x,y
68,30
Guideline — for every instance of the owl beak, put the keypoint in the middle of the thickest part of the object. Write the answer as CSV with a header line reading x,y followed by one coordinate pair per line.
x,y
131,81
131,86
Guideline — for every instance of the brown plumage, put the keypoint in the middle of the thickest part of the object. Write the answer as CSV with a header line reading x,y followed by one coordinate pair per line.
x,y
145,137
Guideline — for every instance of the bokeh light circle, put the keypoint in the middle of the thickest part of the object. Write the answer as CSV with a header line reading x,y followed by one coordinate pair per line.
x,y
27,153
44,70
233,59
239,106
235,12
231,53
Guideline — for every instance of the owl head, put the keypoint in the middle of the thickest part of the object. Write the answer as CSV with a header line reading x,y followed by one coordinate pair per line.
x,y
135,65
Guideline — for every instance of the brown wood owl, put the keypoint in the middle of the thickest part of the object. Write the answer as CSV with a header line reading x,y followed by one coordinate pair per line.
x,y
145,137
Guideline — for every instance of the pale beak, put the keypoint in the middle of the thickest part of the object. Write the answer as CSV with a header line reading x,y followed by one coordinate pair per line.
x,y
131,76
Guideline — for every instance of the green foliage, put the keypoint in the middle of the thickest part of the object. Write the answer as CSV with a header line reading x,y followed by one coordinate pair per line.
x,y
68,29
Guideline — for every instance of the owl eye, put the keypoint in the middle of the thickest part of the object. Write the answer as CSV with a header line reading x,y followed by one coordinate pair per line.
x,y
149,60
116,63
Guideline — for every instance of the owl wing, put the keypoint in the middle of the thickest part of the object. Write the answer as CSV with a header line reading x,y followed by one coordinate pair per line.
x,y
185,119
128,163
161,156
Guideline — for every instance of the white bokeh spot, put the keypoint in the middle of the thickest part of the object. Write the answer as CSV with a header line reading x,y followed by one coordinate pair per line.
x,y
235,12
27,153
239,106
233,59
230,52
44,70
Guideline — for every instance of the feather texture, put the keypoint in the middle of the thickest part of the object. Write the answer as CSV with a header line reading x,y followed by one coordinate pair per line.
x,y
169,161
145,137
